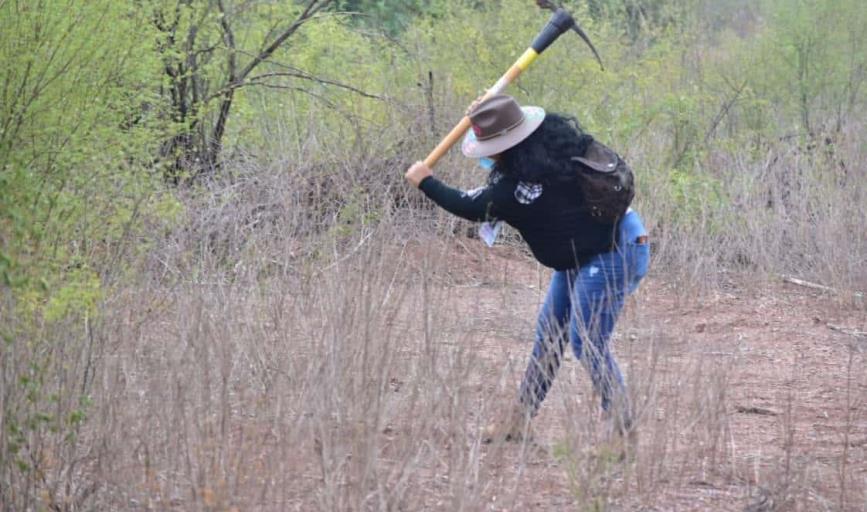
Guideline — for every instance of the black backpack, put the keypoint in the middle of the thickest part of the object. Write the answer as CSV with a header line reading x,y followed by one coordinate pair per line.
x,y
606,181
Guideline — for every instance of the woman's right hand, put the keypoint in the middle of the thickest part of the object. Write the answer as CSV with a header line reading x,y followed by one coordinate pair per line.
x,y
417,173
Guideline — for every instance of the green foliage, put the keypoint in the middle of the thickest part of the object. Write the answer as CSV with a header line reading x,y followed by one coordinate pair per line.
x,y
703,77
210,54
332,51
77,133
86,106
812,62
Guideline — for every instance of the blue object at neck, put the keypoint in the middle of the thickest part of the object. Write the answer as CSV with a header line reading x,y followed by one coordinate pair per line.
x,y
486,163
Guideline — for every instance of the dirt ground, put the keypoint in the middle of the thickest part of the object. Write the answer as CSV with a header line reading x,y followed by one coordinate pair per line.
x,y
752,396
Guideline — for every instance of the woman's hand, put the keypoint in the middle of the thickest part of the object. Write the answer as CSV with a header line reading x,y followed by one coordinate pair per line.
x,y
474,104
417,173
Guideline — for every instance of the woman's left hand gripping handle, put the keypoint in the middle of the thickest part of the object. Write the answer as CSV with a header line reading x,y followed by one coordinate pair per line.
x,y
417,173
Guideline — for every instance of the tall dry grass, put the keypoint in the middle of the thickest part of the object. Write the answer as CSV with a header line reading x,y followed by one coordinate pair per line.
x,y
792,207
314,336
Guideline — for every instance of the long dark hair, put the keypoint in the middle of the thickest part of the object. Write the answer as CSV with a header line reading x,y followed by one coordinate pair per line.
x,y
545,156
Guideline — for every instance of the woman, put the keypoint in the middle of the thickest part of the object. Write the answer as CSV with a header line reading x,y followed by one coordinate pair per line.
x,y
533,186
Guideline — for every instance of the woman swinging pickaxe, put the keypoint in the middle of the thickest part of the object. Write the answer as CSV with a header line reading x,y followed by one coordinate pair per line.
x,y
560,22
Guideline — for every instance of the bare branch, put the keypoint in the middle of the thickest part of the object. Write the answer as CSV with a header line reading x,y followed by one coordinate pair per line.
x,y
318,97
820,287
228,93
229,39
324,81
192,34
846,330
312,8
260,80
545,4
295,88
724,110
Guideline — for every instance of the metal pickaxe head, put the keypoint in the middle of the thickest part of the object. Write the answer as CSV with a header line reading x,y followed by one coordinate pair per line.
x,y
561,22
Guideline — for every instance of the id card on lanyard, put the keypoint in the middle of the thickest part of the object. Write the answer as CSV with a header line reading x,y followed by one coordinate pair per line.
x,y
489,231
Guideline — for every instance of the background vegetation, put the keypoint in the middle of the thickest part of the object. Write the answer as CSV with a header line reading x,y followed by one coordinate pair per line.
x,y
167,164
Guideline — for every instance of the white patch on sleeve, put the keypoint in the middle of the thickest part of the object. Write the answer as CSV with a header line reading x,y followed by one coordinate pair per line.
x,y
526,193
474,193
593,271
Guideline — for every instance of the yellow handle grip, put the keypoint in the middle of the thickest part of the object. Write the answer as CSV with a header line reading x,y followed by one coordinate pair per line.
x,y
461,128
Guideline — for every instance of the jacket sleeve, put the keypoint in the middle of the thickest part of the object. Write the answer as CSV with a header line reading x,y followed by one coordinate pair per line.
x,y
475,205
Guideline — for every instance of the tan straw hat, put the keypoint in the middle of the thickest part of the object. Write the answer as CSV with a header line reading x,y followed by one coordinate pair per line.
x,y
498,123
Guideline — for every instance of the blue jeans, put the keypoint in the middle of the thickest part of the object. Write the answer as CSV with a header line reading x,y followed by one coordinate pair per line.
x,y
582,305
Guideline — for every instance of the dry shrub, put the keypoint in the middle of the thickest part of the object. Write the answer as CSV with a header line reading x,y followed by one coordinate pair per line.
x,y
312,337
274,357
779,209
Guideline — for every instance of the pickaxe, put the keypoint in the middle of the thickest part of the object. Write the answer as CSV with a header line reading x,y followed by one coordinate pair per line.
x,y
560,22
546,4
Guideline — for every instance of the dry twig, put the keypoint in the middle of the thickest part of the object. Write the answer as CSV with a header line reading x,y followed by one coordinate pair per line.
x,y
845,330
816,286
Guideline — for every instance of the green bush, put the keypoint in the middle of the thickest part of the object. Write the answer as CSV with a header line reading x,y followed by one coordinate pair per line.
x,y
77,138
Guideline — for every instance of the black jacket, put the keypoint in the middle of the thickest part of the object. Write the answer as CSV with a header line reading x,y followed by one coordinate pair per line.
x,y
559,233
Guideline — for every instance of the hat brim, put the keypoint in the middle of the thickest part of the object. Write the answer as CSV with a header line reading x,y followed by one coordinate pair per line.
x,y
474,148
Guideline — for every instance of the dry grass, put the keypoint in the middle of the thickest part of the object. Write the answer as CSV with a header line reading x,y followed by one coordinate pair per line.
x,y
315,338
364,387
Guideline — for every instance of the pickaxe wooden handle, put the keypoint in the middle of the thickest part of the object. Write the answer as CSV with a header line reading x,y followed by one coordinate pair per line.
x,y
560,22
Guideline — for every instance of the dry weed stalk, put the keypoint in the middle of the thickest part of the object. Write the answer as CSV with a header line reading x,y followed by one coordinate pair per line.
x,y
309,337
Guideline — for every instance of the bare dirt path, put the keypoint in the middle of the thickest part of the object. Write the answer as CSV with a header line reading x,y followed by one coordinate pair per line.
x,y
752,398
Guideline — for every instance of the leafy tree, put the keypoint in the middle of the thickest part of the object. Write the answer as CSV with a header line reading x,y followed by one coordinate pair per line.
x,y
74,140
209,50
72,129
815,60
